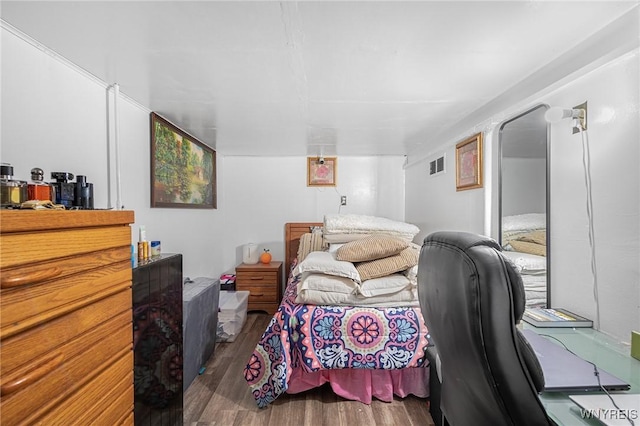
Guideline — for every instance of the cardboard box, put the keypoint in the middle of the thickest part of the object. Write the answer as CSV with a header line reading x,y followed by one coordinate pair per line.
x,y
232,315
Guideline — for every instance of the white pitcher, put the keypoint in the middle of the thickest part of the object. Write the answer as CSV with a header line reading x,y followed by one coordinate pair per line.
x,y
250,254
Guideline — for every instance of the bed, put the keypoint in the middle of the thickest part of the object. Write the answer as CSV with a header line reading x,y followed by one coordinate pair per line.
x,y
524,242
363,352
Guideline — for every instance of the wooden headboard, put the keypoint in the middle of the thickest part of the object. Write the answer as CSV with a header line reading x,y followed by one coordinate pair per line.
x,y
292,233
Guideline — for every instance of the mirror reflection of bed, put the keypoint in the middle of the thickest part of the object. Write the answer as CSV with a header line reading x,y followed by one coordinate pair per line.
x,y
524,201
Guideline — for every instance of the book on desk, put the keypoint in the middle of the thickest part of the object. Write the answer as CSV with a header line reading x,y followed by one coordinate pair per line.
x,y
554,317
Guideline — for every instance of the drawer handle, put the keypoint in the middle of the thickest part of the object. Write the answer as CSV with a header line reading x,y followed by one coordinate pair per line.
x,y
257,278
15,280
257,294
45,366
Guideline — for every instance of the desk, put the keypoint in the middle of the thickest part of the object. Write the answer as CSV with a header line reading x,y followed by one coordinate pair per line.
x,y
594,346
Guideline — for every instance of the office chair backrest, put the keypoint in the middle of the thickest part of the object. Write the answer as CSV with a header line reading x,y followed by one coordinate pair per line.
x,y
472,297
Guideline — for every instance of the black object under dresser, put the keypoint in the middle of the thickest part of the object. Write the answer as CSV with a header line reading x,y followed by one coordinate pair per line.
x,y
157,340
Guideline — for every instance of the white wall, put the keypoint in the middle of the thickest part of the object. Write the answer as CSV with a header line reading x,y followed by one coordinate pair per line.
x,y
54,116
614,140
264,193
613,94
433,204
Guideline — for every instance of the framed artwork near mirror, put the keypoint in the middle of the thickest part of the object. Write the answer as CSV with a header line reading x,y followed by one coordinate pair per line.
x,y
469,163
322,171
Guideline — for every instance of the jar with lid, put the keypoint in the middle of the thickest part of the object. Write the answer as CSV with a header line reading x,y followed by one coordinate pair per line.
x,y
12,192
37,189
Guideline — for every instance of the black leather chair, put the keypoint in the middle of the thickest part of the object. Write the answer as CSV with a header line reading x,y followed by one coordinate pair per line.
x,y
472,298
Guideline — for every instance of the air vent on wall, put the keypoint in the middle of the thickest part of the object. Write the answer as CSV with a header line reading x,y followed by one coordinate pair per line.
x,y
436,166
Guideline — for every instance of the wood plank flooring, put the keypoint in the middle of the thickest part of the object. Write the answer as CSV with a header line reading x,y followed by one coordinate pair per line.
x,y
220,396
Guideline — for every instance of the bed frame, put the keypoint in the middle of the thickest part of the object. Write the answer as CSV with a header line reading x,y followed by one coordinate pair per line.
x,y
292,233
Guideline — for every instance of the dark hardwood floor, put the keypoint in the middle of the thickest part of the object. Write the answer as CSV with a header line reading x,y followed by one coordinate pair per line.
x,y
220,396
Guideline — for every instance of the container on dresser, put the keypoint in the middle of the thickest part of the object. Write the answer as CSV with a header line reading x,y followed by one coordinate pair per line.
x,y
65,317
158,340
264,284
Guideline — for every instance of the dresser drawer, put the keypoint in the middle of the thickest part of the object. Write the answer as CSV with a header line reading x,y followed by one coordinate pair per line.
x,y
260,294
26,248
105,400
256,277
27,306
55,376
24,348
34,273
118,401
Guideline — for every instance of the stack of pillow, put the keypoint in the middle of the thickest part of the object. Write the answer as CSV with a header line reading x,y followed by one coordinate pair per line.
x,y
379,255
525,233
374,270
524,239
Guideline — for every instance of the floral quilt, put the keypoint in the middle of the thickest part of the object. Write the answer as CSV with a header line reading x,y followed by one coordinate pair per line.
x,y
314,338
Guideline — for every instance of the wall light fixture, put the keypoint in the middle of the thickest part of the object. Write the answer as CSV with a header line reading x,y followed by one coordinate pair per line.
x,y
577,113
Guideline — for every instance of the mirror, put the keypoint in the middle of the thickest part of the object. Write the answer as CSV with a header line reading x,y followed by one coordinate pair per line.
x,y
523,188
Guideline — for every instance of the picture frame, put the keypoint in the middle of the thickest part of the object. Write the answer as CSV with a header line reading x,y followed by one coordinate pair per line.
x,y
322,171
469,163
183,169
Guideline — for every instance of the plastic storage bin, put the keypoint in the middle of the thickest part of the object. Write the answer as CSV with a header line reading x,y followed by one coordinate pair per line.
x,y
232,315
200,302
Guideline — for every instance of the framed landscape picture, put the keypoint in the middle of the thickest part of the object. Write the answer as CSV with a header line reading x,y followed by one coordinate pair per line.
x,y
469,163
183,169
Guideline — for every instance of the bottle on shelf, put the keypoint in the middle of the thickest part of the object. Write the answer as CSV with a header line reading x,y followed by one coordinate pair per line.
x,y
37,189
83,193
65,191
12,192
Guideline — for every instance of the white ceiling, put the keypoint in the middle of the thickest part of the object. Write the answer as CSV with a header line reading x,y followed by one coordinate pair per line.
x,y
312,77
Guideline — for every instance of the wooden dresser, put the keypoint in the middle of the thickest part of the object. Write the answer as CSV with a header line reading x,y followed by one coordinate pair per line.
x,y
65,317
264,283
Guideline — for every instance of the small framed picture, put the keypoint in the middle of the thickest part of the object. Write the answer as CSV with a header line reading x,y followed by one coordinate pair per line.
x,y
322,171
469,163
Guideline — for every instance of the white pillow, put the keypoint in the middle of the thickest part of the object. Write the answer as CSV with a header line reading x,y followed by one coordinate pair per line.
x,y
527,263
412,273
343,238
324,282
323,262
333,247
384,285
524,222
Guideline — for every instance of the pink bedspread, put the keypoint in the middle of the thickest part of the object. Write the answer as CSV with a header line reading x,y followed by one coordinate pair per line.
x,y
363,385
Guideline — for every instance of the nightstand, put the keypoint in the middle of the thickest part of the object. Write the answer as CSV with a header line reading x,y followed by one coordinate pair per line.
x,y
264,283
